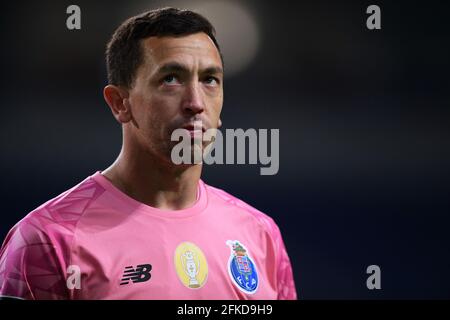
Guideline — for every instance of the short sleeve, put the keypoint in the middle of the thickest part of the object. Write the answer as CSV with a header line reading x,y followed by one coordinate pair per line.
x,y
285,278
29,265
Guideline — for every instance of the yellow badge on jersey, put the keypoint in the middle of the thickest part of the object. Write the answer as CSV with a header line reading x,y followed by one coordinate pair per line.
x,y
190,264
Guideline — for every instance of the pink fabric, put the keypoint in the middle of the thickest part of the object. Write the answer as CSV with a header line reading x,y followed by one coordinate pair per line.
x,y
101,230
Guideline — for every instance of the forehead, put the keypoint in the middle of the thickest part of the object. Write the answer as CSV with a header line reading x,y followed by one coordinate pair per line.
x,y
197,48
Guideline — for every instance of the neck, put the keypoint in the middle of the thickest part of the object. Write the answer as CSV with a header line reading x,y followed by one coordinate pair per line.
x,y
152,181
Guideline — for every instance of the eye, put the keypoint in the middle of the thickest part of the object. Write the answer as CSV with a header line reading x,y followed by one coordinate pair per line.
x,y
213,81
170,79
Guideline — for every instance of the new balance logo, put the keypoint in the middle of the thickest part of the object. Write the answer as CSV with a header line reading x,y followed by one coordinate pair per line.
x,y
140,274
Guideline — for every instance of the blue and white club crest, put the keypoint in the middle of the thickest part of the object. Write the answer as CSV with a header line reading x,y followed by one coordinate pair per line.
x,y
241,268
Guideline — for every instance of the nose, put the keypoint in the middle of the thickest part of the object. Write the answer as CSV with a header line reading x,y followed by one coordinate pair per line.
x,y
193,100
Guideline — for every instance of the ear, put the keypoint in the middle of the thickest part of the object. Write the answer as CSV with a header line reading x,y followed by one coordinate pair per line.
x,y
117,100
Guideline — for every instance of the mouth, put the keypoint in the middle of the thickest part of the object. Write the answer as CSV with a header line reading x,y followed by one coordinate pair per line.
x,y
194,128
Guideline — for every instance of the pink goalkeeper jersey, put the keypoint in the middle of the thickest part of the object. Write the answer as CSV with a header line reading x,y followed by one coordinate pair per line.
x,y
95,242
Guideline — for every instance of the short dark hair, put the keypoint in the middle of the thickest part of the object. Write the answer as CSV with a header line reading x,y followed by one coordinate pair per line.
x,y
123,52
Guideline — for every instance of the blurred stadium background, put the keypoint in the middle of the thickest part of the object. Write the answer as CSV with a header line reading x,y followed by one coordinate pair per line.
x,y
363,115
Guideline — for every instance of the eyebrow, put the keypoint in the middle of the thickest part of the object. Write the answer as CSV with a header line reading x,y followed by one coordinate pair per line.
x,y
213,70
178,67
172,67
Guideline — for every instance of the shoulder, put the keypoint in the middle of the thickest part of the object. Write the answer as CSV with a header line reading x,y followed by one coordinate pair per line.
x,y
37,250
56,219
226,199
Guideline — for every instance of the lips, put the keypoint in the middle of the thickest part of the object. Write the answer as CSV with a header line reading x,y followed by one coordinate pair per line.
x,y
194,127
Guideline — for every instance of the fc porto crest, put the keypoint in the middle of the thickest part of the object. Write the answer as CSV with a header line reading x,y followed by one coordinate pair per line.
x,y
241,268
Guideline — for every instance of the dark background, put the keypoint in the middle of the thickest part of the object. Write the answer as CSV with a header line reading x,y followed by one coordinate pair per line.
x,y
363,116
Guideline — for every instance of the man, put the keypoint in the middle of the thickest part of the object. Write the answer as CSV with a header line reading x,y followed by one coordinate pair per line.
x,y
146,228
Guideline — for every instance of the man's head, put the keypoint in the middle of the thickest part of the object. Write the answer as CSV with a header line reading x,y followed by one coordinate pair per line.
x,y
165,72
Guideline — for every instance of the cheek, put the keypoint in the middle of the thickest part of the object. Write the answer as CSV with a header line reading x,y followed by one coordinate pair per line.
x,y
164,104
216,106
160,114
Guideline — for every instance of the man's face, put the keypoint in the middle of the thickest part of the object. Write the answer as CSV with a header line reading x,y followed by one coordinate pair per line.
x,y
178,83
